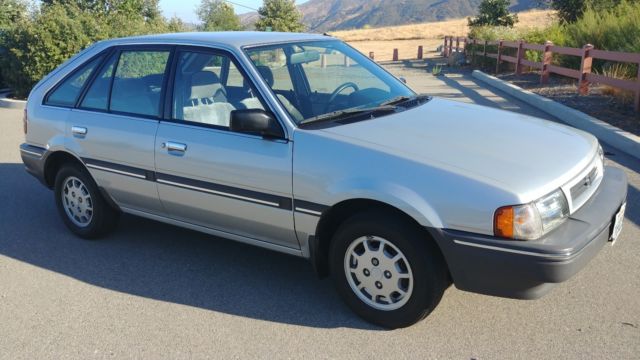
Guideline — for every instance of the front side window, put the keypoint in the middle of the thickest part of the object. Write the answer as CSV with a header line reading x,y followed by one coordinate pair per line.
x,y
318,78
137,82
208,87
66,94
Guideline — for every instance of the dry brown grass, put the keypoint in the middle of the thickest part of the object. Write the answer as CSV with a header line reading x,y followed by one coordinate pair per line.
x,y
407,38
438,29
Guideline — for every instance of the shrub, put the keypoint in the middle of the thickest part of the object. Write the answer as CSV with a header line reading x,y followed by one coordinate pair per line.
x,y
615,29
38,43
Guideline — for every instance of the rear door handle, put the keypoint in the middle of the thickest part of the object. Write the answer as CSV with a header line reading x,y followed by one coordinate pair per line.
x,y
174,146
79,130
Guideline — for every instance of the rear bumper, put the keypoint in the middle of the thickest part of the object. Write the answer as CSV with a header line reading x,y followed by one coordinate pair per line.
x,y
33,158
529,269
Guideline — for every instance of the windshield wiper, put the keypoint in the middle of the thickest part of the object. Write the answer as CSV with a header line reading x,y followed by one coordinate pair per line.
x,y
397,100
341,114
403,98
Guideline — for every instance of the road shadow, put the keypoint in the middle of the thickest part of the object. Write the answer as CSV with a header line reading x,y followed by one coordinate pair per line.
x,y
167,263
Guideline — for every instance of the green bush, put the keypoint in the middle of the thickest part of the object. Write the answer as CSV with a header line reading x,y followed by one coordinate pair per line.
x,y
51,34
614,29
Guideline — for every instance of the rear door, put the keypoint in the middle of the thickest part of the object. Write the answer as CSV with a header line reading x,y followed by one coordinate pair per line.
x,y
210,176
114,124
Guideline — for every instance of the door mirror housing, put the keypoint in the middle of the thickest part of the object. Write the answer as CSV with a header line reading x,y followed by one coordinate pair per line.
x,y
256,121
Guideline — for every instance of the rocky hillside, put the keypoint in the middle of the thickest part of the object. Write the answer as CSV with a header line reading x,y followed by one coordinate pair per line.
x,y
325,15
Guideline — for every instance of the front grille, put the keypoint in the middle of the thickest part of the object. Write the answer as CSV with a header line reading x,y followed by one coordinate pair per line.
x,y
583,185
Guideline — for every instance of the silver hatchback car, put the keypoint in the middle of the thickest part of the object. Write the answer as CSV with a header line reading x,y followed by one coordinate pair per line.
x,y
300,144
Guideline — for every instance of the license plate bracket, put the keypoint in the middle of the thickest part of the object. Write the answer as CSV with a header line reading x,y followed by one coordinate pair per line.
x,y
616,224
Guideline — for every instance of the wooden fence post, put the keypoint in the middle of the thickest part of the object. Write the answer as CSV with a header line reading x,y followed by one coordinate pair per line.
x,y
473,52
420,52
444,49
636,103
519,58
547,56
499,57
395,54
371,55
585,68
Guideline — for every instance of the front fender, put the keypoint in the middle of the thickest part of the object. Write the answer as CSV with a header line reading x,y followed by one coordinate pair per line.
x,y
396,195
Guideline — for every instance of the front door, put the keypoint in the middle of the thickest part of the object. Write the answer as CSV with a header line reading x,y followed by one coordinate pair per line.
x,y
210,176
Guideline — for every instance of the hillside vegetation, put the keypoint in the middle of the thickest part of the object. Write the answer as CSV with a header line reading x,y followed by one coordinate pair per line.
x,y
438,29
407,38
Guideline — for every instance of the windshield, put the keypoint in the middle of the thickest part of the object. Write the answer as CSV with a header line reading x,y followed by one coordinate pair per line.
x,y
315,79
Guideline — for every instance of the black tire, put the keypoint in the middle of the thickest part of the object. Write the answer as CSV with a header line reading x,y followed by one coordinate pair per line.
x,y
424,258
104,218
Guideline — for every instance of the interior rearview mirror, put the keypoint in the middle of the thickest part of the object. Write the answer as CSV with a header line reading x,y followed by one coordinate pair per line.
x,y
256,121
304,57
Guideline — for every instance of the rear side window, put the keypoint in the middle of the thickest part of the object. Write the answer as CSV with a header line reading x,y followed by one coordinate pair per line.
x,y
138,81
97,96
66,94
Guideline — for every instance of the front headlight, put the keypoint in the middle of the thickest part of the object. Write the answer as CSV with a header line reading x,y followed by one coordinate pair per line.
x,y
601,154
534,220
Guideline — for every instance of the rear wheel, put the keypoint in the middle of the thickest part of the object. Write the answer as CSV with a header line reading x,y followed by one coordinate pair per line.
x,y
386,269
81,205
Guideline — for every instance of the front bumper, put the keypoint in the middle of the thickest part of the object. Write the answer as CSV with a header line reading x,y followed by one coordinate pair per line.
x,y
529,269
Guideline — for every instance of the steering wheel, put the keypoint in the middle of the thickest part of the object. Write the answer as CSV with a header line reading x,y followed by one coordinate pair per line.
x,y
337,91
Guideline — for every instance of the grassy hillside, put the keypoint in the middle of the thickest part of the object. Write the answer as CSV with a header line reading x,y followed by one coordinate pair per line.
x,y
407,38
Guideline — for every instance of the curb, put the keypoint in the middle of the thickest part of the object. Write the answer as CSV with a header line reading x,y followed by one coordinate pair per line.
x,y
7,103
618,138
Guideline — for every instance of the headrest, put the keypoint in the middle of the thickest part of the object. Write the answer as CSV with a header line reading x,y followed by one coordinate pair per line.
x,y
204,84
266,73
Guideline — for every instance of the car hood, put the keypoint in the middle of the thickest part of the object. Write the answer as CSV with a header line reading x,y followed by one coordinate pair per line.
x,y
525,155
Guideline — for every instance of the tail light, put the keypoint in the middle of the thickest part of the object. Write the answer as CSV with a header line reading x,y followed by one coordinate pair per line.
x,y
25,122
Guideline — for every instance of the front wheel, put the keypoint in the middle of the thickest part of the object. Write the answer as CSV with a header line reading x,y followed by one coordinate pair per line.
x,y
386,269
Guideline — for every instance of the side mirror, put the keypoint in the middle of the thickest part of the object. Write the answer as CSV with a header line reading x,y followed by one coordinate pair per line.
x,y
404,81
256,121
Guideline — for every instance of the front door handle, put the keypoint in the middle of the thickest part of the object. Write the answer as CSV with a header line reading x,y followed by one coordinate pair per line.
x,y
174,146
79,130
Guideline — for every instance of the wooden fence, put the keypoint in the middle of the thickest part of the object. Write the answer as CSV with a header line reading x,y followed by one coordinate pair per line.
x,y
583,75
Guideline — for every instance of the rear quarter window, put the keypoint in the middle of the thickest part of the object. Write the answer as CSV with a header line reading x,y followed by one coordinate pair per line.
x,y
66,93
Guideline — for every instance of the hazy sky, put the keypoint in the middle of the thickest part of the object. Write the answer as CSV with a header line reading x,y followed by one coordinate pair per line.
x,y
185,9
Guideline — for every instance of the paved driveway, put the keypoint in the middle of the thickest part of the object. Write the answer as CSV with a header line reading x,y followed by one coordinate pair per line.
x,y
156,291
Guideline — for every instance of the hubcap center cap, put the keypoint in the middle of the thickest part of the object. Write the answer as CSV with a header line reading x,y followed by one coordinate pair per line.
x,y
376,274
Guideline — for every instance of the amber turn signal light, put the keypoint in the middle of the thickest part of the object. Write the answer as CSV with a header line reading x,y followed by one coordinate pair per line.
x,y
503,222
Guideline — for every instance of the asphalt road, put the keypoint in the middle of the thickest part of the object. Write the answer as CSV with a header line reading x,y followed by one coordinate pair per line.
x,y
156,291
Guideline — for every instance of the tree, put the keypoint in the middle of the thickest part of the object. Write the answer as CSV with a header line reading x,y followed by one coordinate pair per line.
x,y
40,41
217,15
568,11
151,11
279,15
10,12
494,13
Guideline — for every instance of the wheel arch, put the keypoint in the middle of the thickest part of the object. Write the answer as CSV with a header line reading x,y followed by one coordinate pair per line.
x,y
334,216
54,162
57,159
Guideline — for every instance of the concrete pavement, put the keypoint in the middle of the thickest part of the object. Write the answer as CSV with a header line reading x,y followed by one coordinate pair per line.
x,y
156,291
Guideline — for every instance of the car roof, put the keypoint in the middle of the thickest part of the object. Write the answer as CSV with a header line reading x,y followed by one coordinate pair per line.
x,y
237,39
